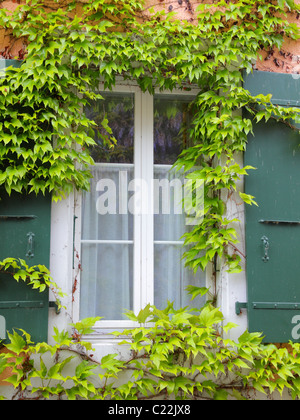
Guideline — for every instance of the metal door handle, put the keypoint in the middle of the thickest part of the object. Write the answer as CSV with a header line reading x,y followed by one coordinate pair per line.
x,y
30,244
266,246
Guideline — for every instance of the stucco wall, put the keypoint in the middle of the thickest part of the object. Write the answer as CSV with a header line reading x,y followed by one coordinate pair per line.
x,y
287,60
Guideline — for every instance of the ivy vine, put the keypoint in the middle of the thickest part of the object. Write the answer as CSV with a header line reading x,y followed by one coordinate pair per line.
x,y
37,277
178,355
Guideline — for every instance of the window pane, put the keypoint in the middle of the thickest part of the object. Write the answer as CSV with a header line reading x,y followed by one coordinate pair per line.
x,y
118,109
106,280
172,117
169,220
105,213
171,278
106,287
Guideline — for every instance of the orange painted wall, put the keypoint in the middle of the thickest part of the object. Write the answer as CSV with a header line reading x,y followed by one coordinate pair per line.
x,y
7,50
288,59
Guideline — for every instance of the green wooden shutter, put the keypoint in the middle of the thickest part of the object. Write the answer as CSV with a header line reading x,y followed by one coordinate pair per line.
x,y
25,234
273,228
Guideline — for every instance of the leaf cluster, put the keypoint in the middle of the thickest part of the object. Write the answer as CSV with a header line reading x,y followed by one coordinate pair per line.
x,y
37,277
174,354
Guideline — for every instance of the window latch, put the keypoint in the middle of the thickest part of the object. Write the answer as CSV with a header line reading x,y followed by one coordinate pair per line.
x,y
266,246
30,252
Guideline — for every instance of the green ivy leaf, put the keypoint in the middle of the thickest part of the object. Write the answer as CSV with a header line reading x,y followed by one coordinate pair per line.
x,y
17,343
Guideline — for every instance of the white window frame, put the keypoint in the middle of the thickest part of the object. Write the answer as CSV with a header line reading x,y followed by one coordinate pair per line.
x,y
143,271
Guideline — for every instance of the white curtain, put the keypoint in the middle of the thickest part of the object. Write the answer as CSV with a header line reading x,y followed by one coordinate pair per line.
x,y
106,286
171,277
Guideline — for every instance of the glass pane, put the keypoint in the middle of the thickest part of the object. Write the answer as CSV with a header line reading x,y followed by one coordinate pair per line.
x,y
171,278
169,218
105,213
107,225
118,109
106,280
172,117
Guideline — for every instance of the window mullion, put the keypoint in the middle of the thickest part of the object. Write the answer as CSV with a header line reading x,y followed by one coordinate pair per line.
x,y
137,274
147,266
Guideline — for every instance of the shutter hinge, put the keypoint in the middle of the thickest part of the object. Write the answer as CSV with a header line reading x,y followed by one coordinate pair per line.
x,y
53,304
239,306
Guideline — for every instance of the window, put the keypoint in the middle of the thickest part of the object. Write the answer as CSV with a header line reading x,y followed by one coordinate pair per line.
x,y
132,219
